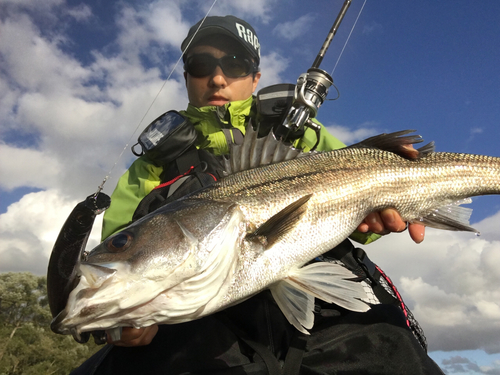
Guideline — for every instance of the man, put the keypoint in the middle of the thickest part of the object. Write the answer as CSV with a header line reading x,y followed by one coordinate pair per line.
x,y
221,73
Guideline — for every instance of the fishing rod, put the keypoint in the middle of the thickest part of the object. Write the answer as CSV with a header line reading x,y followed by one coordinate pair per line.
x,y
311,90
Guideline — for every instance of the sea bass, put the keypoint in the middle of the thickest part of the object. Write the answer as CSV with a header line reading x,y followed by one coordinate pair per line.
x,y
262,227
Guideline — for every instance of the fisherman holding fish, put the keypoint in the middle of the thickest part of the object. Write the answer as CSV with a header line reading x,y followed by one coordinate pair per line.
x,y
221,63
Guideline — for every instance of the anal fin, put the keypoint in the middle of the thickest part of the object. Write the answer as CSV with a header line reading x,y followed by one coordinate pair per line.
x,y
296,305
329,282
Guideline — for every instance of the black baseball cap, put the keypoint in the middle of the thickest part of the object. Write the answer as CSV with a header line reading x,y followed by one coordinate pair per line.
x,y
232,26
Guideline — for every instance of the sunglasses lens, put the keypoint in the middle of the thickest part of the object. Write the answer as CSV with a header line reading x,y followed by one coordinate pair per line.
x,y
203,65
234,66
200,65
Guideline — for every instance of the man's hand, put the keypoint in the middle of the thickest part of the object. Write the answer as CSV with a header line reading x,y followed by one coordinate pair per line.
x,y
389,220
136,336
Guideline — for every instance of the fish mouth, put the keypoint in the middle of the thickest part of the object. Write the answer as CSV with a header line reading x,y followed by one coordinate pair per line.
x,y
93,276
57,325
64,324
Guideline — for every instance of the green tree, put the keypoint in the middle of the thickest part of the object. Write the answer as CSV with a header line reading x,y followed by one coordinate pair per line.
x,y
27,345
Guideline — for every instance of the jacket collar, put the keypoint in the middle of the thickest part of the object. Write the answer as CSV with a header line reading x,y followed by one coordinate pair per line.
x,y
236,108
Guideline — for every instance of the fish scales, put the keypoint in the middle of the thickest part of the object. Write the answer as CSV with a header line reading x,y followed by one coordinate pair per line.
x,y
258,229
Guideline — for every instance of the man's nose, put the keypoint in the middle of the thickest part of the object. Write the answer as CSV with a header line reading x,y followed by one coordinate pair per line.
x,y
218,78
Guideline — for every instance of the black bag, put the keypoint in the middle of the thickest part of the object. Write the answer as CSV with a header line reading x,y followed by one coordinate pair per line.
x,y
255,338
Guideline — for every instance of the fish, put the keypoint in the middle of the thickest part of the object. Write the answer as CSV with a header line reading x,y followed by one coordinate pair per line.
x,y
262,227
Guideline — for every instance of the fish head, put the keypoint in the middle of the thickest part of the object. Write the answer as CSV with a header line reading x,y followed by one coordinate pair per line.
x,y
128,270
159,241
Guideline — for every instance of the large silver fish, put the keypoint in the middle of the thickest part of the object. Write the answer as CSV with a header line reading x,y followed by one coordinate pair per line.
x,y
260,228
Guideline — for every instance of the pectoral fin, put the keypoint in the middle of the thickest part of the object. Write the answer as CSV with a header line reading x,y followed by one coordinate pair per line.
x,y
282,222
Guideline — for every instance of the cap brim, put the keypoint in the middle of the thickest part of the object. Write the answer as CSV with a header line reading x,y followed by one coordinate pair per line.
x,y
190,42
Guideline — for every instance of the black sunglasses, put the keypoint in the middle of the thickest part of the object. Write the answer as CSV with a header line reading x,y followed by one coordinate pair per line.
x,y
204,64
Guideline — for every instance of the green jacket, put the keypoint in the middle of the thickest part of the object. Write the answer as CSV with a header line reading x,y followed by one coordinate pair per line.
x,y
210,122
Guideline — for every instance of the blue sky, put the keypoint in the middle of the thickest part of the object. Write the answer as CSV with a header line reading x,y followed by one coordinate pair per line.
x,y
76,78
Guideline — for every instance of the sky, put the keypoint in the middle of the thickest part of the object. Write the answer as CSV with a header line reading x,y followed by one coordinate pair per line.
x,y
80,80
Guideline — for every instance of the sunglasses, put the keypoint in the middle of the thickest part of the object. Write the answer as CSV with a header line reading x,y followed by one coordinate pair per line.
x,y
204,64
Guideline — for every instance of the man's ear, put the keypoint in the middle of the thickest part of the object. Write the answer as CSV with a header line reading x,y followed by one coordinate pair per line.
x,y
185,77
256,80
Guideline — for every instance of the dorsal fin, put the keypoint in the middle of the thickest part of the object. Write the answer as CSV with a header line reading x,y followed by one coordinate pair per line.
x,y
255,152
427,149
398,143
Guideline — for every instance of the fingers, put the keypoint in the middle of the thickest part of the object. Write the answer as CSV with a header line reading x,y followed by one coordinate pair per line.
x,y
389,220
136,336
373,223
417,232
383,222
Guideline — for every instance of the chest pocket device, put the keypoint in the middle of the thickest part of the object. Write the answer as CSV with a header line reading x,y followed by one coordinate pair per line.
x,y
273,104
166,138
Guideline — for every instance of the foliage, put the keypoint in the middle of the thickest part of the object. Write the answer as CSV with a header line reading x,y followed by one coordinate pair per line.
x,y
27,345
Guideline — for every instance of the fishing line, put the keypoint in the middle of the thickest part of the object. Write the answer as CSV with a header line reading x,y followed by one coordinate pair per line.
x,y
348,37
100,187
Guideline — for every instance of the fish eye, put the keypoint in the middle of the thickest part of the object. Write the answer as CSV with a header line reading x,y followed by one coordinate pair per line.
x,y
120,242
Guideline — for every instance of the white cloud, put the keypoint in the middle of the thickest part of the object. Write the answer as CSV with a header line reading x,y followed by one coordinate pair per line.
x,y
460,364
8,98
81,12
23,167
293,29
29,229
247,10
373,28
83,114
44,5
151,30
350,136
450,282
80,115
167,23
35,63
467,362
272,66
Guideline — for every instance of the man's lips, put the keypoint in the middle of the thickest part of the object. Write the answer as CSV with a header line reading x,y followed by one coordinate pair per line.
x,y
217,100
